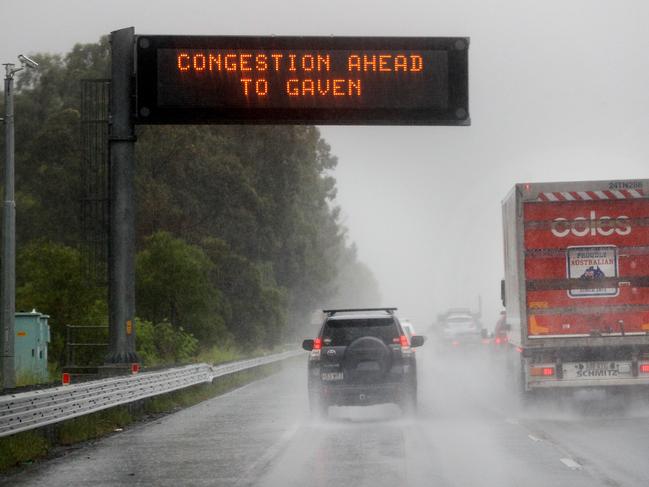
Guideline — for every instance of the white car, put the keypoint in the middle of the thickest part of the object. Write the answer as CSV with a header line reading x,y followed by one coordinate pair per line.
x,y
457,328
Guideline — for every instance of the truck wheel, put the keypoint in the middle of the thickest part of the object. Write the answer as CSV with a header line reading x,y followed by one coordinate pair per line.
x,y
525,398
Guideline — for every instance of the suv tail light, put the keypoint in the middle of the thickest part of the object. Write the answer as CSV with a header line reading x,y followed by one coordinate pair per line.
x,y
317,349
644,368
403,340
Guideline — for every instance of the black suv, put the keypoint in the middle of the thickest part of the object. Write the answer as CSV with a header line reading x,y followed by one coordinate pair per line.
x,y
361,357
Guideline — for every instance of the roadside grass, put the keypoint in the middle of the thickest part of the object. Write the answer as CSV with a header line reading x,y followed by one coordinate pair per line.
x,y
29,378
24,448
219,354
92,426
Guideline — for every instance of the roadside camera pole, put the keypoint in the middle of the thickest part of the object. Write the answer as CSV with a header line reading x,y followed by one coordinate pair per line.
x,y
8,294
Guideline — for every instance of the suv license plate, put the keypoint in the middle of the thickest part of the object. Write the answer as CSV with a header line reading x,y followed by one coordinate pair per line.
x,y
332,376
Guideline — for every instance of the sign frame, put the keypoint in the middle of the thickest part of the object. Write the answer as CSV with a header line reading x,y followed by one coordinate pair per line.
x,y
593,292
148,111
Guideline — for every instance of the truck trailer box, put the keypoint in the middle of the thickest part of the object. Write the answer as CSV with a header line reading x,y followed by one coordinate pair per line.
x,y
576,285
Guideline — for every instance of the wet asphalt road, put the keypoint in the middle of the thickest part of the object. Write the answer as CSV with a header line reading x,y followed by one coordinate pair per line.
x,y
469,432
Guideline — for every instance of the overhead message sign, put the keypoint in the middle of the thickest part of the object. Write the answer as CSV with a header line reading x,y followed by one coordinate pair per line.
x,y
320,80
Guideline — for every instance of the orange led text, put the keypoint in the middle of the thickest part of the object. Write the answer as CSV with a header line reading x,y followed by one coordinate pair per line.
x,y
298,74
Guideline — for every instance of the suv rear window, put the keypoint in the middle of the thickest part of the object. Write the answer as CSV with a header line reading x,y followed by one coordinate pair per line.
x,y
342,332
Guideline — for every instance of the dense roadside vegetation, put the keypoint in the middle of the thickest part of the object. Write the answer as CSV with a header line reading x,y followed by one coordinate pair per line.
x,y
238,236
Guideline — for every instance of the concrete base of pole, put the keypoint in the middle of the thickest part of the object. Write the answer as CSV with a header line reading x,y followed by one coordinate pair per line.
x,y
124,357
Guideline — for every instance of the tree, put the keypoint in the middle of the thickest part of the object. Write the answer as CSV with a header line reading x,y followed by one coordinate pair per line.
x,y
257,305
173,284
237,229
164,344
355,285
50,279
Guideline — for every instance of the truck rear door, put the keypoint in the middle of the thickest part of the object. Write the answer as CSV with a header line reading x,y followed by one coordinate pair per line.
x,y
587,260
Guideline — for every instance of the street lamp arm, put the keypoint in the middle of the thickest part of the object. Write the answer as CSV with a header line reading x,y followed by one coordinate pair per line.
x,y
11,70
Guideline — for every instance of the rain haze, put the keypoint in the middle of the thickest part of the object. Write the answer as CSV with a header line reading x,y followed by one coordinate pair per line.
x,y
557,92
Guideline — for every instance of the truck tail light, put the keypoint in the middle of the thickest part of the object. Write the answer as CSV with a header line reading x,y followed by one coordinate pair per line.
x,y
644,368
65,379
542,371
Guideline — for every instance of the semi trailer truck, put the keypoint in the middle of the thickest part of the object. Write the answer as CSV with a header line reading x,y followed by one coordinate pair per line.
x,y
576,287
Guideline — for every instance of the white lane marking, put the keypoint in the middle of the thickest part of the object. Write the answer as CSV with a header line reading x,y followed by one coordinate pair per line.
x,y
571,464
534,438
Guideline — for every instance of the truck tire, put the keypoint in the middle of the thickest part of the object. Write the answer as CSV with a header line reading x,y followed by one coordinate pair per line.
x,y
525,398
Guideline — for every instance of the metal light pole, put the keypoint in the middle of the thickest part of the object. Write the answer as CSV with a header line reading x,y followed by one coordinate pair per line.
x,y
8,292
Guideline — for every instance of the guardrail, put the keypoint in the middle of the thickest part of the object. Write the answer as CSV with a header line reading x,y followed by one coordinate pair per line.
x,y
29,410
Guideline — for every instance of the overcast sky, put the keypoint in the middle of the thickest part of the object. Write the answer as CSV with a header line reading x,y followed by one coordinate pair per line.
x,y
558,91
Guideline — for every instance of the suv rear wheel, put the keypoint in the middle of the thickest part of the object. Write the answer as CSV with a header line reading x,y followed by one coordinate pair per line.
x,y
408,401
318,405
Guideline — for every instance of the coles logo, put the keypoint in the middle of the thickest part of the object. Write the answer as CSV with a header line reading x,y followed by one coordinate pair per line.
x,y
580,226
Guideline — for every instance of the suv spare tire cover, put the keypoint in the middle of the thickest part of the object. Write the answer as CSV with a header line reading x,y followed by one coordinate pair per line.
x,y
367,349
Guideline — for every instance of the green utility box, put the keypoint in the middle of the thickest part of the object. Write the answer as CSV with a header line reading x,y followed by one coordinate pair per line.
x,y
32,337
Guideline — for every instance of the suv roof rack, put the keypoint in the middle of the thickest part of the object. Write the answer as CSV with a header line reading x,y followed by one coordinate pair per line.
x,y
332,312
